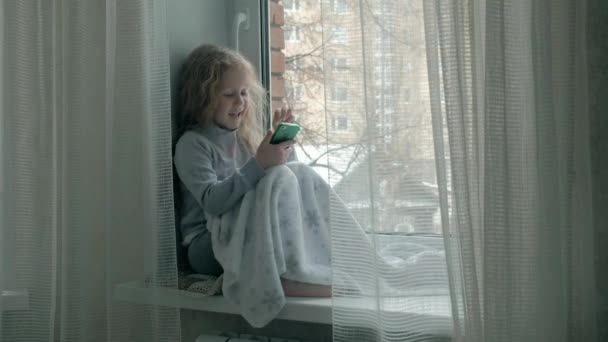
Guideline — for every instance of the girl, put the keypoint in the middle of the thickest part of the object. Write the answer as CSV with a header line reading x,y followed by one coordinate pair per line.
x,y
222,153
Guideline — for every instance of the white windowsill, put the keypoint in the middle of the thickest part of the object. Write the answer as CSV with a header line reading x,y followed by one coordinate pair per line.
x,y
14,300
434,311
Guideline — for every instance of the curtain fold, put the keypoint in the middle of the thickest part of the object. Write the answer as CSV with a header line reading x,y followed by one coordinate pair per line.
x,y
86,169
517,153
484,102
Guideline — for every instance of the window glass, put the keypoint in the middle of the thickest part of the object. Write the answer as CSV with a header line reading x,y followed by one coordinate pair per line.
x,y
291,5
339,64
292,33
339,93
339,35
340,123
339,6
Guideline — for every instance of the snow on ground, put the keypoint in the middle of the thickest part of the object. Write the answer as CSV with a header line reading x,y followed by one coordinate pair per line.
x,y
338,159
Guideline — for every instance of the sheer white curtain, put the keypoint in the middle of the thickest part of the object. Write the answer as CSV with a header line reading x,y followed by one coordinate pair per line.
x,y
381,149
475,109
508,90
86,198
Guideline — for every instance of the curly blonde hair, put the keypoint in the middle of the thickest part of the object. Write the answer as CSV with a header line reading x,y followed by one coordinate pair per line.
x,y
201,75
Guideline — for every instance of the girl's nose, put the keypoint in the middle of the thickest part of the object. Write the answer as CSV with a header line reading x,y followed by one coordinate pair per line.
x,y
239,99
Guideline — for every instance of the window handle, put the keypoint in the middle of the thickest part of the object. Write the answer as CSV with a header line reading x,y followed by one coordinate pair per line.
x,y
240,18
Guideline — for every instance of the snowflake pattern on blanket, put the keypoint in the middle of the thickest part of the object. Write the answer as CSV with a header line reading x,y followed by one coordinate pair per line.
x,y
280,229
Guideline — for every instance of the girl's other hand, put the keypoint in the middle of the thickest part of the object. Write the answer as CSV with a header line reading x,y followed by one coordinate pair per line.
x,y
269,155
282,115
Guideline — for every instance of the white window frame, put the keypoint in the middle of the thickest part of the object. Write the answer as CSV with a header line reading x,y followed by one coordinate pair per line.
x,y
339,93
339,6
293,34
407,95
295,92
295,6
336,123
339,64
384,41
408,66
296,64
339,35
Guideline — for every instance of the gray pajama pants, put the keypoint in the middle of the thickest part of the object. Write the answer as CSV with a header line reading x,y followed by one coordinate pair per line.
x,y
200,255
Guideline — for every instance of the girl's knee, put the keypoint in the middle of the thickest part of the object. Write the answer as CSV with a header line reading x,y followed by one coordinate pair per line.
x,y
279,172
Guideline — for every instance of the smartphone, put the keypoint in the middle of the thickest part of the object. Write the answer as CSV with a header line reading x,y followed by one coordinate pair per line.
x,y
285,131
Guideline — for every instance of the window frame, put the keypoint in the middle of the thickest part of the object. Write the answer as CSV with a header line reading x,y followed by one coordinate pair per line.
x,y
339,67
339,7
339,38
336,121
293,34
336,93
296,64
295,6
295,92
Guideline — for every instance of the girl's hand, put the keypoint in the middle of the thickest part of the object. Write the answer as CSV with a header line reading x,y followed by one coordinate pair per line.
x,y
269,155
282,115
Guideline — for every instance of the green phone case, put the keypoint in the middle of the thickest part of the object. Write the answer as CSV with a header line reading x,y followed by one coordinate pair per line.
x,y
285,131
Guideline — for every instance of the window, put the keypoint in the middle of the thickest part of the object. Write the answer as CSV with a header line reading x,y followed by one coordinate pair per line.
x,y
407,95
407,66
339,64
339,123
292,33
385,98
295,92
338,6
291,6
295,64
339,93
384,69
339,35
383,41
383,80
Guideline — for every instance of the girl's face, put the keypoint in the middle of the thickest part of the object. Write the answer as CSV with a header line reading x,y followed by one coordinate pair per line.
x,y
233,99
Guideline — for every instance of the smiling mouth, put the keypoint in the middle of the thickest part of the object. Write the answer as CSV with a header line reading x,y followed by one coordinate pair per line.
x,y
235,115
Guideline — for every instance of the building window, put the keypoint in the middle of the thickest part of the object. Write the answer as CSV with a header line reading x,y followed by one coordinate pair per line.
x,y
291,6
292,33
295,64
383,41
339,64
338,6
339,35
407,95
339,123
339,94
408,67
295,92
386,99
384,69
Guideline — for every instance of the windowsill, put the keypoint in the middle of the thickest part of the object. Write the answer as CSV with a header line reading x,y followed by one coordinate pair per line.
x,y
434,311
13,300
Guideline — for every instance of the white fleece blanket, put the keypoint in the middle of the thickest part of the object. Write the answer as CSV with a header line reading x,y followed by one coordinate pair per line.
x,y
280,229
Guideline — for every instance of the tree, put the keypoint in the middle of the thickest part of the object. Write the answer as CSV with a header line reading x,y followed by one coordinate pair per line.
x,y
388,121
